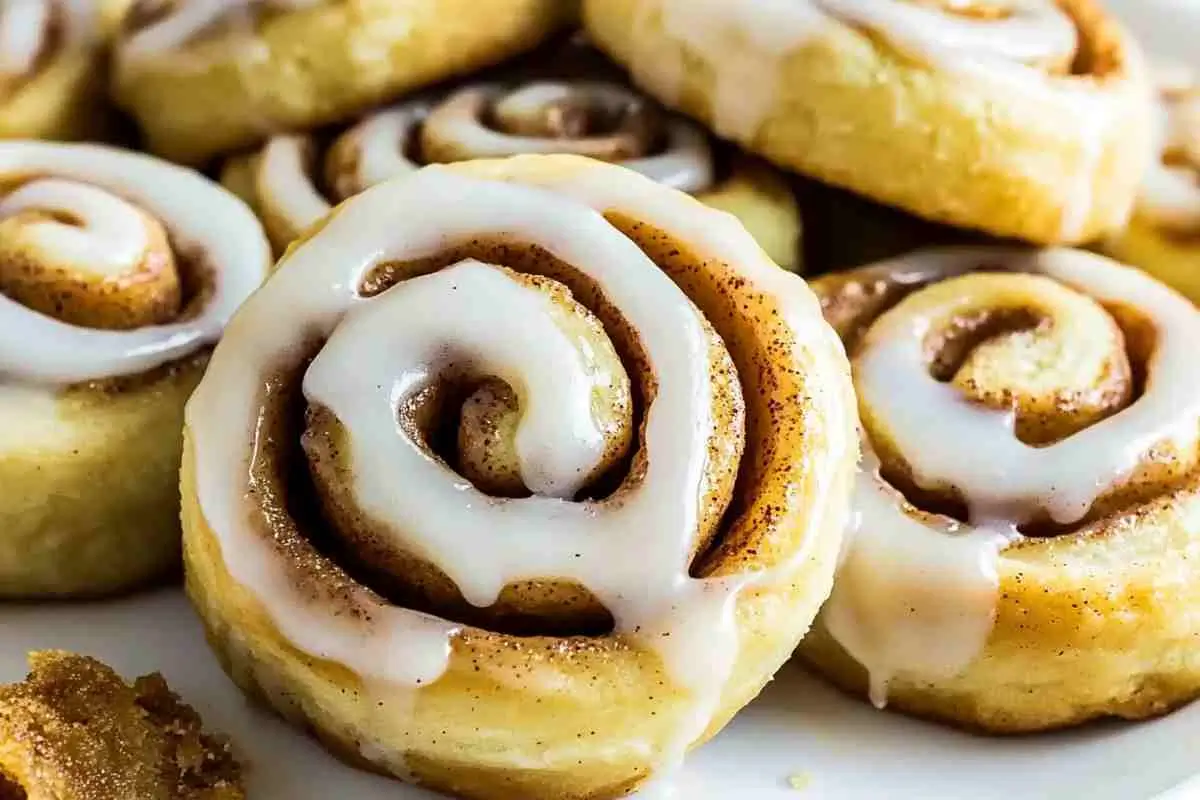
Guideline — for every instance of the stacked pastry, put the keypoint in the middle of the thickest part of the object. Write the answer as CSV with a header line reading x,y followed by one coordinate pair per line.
x,y
305,86
527,466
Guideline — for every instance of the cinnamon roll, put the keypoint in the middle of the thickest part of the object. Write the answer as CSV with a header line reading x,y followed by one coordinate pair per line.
x,y
1021,118
292,183
1026,522
74,730
1163,236
51,76
206,77
494,485
117,274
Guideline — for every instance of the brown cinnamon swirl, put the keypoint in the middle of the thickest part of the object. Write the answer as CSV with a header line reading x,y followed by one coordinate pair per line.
x,y
294,181
494,485
1025,520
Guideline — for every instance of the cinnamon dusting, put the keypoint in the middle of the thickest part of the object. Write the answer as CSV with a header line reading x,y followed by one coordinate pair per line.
x,y
73,730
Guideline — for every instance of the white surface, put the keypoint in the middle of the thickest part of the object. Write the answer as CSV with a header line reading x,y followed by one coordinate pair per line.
x,y
799,727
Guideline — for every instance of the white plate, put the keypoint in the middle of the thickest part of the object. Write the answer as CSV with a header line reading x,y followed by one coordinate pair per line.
x,y
798,728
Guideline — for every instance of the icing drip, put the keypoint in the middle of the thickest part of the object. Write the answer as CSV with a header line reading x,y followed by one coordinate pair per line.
x,y
185,20
484,122
1170,192
916,593
96,200
472,313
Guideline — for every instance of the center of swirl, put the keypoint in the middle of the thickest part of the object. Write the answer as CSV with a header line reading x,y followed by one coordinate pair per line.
x,y
1056,377
598,120
517,388
85,256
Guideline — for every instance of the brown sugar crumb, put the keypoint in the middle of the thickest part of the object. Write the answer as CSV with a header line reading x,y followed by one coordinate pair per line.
x,y
74,730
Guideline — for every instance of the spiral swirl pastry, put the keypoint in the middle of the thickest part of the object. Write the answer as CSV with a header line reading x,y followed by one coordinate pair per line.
x,y
1163,236
292,183
51,84
1020,118
117,274
535,485
1024,522
207,77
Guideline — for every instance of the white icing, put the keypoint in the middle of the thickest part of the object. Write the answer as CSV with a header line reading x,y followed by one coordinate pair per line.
x,y
1025,32
25,26
381,140
107,236
916,593
284,176
484,543
200,217
23,29
1170,194
186,20
685,163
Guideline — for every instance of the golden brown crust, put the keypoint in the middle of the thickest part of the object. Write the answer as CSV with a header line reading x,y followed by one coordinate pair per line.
x,y
109,454
73,730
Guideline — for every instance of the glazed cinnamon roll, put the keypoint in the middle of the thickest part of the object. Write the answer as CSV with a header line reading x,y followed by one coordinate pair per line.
x,y
74,730
117,274
205,77
1163,236
1021,118
51,80
1022,552
292,183
494,485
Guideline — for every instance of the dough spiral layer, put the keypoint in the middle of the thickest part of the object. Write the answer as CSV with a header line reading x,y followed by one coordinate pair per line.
x,y
293,181
206,77
1022,118
660,416
117,273
51,81
1025,520
1163,236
